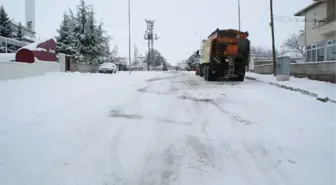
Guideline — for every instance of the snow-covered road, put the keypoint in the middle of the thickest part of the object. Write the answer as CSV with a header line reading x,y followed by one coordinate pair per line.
x,y
151,128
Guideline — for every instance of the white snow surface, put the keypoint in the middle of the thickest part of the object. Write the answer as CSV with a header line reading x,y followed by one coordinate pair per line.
x,y
161,128
7,57
33,46
323,89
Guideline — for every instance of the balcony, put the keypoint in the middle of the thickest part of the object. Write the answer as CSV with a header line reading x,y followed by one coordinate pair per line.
x,y
328,28
328,25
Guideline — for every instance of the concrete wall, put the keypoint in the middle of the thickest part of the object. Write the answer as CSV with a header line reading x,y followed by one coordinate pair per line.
x,y
264,69
14,70
83,68
324,71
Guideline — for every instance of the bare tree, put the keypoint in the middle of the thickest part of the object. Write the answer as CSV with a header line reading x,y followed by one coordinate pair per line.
x,y
291,44
261,51
115,51
136,51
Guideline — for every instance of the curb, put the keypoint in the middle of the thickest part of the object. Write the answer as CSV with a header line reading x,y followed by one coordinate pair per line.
x,y
302,91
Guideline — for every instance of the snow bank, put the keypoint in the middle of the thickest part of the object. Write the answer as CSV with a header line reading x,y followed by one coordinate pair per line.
x,y
7,57
320,88
14,70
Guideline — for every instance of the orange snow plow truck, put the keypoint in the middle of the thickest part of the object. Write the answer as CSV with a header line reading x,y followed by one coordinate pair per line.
x,y
225,54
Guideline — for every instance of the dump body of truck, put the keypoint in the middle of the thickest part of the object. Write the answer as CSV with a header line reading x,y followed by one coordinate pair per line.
x,y
225,55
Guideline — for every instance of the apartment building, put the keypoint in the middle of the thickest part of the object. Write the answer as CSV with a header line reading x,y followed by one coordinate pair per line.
x,y
319,35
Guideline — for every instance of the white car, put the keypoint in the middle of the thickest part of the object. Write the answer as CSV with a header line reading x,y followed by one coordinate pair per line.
x,y
107,67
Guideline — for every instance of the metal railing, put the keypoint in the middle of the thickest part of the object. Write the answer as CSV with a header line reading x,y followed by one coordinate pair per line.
x,y
14,42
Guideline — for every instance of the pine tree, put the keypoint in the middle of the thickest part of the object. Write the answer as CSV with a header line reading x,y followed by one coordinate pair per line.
x,y
6,28
66,40
19,32
81,21
159,59
102,45
115,51
90,41
80,36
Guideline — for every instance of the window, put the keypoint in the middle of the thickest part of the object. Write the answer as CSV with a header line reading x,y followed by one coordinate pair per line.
x,y
309,59
315,52
313,55
331,50
315,22
320,54
320,51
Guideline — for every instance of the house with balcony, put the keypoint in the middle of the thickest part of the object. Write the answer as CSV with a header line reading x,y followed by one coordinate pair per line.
x,y
319,35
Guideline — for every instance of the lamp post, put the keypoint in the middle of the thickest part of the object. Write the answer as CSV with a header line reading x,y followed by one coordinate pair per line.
x,y
129,35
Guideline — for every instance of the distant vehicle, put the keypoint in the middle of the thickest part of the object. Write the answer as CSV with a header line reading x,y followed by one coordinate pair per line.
x,y
107,67
225,55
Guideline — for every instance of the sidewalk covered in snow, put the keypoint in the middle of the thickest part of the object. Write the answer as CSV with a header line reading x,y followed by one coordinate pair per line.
x,y
322,89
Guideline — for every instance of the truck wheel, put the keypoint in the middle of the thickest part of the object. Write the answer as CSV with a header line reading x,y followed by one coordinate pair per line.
x,y
211,76
206,74
240,78
201,71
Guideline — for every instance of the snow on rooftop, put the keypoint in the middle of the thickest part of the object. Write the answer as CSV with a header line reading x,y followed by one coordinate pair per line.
x,y
293,55
33,46
107,65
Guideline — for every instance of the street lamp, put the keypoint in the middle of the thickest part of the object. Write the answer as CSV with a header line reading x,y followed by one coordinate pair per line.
x,y
129,35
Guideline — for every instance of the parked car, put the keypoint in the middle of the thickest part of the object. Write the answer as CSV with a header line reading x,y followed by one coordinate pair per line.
x,y
107,67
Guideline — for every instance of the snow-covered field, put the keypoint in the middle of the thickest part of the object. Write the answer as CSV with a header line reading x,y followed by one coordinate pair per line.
x,y
161,128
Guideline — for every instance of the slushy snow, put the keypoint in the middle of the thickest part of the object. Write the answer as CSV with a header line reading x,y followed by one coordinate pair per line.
x,y
161,128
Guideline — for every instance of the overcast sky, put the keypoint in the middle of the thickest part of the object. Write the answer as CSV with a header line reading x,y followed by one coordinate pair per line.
x,y
179,23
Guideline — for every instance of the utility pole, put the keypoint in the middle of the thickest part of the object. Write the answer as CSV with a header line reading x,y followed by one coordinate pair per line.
x,y
129,35
239,13
305,38
273,42
150,36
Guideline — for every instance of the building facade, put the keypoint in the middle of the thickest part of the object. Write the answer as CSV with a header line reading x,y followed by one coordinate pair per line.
x,y
29,34
319,35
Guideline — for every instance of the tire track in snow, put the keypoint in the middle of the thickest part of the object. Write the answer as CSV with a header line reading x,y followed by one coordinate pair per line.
x,y
264,165
166,164
272,176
